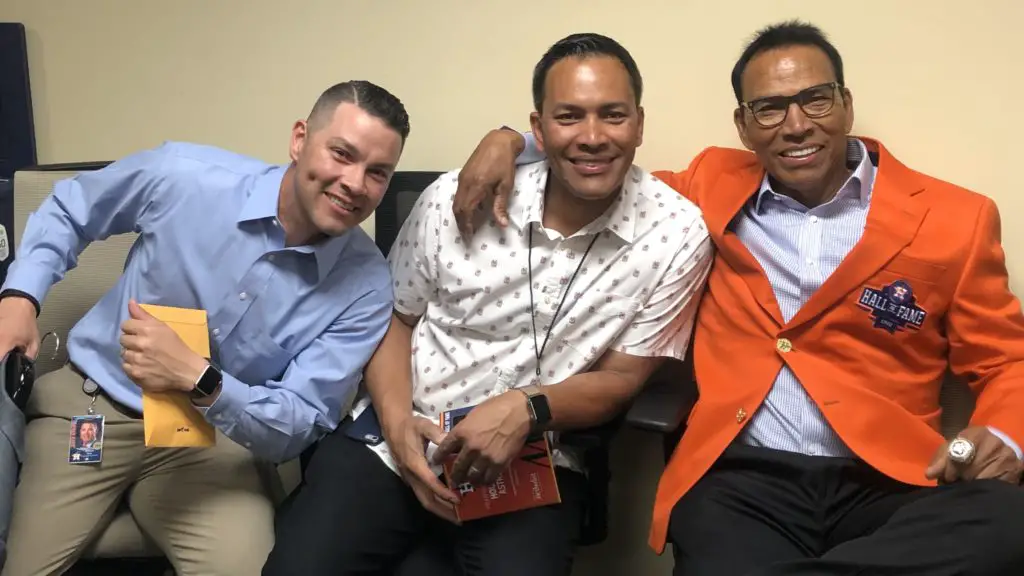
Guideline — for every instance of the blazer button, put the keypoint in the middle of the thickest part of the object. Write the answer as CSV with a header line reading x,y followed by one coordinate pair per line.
x,y
783,345
741,415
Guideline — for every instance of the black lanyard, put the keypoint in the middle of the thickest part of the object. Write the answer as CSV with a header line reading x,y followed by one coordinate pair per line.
x,y
539,351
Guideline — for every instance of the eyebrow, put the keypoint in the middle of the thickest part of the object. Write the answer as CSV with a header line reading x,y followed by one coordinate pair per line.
x,y
605,106
340,142
773,96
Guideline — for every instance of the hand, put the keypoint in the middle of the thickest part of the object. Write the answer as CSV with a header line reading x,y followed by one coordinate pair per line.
x,y
992,459
487,439
408,445
153,355
18,326
490,171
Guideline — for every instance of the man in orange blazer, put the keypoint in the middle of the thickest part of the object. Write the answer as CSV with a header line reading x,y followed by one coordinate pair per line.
x,y
844,286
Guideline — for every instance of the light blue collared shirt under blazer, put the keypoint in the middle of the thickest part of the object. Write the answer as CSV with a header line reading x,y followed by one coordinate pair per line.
x,y
291,328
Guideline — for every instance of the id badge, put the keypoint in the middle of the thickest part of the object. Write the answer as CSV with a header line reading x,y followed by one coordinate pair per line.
x,y
86,439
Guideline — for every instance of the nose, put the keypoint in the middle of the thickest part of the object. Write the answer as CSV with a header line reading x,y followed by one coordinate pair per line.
x,y
353,179
797,124
592,135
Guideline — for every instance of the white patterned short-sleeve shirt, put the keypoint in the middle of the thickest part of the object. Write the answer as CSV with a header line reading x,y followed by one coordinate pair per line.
x,y
636,291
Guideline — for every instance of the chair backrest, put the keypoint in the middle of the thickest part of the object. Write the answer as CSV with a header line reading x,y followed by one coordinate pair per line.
x,y
405,188
99,266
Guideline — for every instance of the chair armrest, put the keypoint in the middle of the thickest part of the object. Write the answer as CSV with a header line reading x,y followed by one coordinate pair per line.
x,y
666,400
591,438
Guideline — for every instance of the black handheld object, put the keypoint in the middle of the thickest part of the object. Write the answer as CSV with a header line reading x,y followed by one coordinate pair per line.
x,y
18,373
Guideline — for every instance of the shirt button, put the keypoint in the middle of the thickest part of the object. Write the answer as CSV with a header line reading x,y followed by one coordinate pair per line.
x,y
813,450
270,258
810,262
242,296
783,345
216,331
814,219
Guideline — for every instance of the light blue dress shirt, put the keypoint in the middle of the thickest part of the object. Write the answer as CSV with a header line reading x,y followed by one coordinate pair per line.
x,y
798,248
290,327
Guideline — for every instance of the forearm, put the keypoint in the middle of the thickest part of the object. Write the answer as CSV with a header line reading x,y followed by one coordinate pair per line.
x,y
590,399
998,407
276,424
523,145
388,375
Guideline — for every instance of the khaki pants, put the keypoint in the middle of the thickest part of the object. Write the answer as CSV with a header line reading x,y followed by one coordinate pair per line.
x,y
206,508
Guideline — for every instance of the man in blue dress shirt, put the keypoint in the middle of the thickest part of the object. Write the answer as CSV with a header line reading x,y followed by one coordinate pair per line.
x,y
297,297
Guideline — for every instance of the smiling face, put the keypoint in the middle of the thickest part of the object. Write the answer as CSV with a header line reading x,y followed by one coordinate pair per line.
x,y
87,432
341,170
589,125
805,155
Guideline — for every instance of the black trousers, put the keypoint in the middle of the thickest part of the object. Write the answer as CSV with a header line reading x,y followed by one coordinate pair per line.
x,y
765,512
354,516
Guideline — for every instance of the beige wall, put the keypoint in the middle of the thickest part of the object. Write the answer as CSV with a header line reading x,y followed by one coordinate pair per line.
x,y
938,80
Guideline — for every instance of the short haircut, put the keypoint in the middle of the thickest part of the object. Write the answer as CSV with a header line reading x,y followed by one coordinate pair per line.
x,y
782,35
582,46
370,97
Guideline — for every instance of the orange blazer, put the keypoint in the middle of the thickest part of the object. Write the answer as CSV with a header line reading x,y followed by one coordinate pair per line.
x,y
924,289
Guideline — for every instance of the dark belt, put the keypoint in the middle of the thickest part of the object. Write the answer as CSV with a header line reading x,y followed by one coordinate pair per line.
x,y
124,410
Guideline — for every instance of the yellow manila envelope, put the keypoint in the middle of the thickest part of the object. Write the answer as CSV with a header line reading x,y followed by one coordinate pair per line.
x,y
170,419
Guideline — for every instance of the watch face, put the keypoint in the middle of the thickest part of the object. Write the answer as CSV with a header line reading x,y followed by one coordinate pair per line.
x,y
208,382
539,403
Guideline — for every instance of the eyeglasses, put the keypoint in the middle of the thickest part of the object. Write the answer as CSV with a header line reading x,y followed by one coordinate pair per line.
x,y
815,102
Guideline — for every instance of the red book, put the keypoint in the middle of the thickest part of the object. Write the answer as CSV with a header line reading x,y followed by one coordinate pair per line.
x,y
528,481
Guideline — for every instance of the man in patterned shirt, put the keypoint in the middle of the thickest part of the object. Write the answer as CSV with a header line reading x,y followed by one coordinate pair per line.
x,y
550,324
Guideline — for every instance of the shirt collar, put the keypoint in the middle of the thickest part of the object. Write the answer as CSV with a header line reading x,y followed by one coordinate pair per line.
x,y
262,201
262,205
859,184
619,219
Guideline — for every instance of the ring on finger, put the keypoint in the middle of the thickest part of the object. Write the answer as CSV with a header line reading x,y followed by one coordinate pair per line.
x,y
961,450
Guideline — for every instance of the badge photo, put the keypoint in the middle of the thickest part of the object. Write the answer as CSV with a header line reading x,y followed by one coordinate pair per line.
x,y
86,439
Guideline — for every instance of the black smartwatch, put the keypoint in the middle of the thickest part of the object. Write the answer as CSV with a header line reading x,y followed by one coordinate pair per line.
x,y
540,412
207,383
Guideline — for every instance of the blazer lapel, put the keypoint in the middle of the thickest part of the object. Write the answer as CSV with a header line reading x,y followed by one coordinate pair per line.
x,y
728,196
893,220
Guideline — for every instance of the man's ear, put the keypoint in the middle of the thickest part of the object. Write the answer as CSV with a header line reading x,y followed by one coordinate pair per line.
x,y
538,134
738,118
299,134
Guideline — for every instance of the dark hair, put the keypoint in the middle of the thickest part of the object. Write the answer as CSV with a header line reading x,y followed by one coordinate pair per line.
x,y
373,99
582,46
790,33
